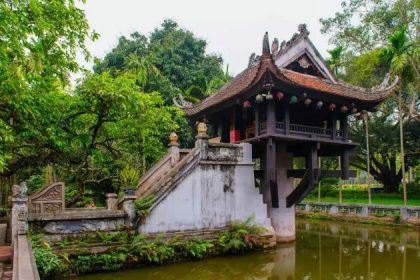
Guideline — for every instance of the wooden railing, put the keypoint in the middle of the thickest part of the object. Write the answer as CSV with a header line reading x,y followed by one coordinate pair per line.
x,y
302,130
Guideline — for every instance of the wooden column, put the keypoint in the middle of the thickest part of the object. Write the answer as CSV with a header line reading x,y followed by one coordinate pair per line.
x,y
344,126
271,117
286,120
334,126
344,164
257,120
270,183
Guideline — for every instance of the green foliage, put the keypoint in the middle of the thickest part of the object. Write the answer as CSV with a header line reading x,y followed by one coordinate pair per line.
x,y
142,206
119,236
171,61
129,177
363,25
99,262
157,251
38,49
240,236
198,249
47,261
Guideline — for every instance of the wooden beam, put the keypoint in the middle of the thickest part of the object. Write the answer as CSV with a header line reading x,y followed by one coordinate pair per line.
x,y
257,120
344,126
286,120
270,183
345,164
298,173
334,126
271,117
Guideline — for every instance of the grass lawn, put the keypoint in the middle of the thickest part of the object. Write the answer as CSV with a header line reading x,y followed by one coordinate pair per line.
x,y
360,196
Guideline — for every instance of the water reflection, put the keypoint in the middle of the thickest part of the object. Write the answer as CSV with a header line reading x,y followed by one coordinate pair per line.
x,y
322,250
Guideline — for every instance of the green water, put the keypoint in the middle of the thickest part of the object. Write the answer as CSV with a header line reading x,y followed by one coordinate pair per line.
x,y
323,250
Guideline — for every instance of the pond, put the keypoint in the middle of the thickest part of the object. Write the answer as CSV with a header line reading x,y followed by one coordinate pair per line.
x,y
323,250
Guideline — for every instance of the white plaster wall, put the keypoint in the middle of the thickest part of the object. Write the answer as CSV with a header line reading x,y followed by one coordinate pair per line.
x,y
202,200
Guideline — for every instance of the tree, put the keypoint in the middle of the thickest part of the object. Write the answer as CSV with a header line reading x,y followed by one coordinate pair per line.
x,y
170,61
38,46
364,28
397,54
364,25
336,59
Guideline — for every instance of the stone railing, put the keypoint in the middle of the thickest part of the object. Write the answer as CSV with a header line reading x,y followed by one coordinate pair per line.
x,y
406,214
162,167
48,200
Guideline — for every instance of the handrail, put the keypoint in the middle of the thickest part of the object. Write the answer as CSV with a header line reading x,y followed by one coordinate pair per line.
x,y
302,129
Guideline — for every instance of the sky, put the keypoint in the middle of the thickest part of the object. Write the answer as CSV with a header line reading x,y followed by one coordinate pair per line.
x,y
233,29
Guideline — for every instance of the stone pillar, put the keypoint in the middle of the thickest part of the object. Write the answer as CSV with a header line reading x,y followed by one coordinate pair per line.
x,y
365,211
404,214
283,218
19,223
111,201
173,149
202,141
126,203
333,210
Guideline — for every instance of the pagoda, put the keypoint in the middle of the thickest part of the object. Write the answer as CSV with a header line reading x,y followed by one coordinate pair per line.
x,y
288,104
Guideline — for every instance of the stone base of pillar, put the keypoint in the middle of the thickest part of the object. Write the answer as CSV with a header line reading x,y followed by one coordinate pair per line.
x,y
283,222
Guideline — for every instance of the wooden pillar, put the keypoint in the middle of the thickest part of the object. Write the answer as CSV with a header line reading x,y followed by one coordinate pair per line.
x,y
345,164
344,126
286,120
257,120
334,126
270,183
271,117
235,125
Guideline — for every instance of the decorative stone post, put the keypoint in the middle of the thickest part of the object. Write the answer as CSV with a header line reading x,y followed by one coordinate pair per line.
x,y
126,203
404,214
111,201
174,148
202,141
19,223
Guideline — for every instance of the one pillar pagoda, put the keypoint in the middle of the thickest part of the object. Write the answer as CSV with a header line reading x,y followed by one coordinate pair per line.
x,y
287,104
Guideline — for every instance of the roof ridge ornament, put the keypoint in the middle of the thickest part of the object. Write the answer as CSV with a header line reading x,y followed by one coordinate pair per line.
x,y
266,45
180,102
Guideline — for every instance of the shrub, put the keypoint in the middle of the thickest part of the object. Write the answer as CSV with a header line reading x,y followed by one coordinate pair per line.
x,y
198,249
142,206
47,261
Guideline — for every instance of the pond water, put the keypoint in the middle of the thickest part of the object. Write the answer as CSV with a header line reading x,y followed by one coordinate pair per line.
x,y
323,250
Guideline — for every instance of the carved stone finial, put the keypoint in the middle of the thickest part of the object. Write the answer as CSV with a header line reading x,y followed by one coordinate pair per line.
x,y
303,29
275,45
19,191
202,129
266,44
173,138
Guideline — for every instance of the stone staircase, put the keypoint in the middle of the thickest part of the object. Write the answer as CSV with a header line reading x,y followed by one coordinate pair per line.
x,y
6,254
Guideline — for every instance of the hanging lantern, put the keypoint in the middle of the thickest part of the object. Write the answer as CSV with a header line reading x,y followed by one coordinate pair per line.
x,y
280,95
307,101
332,107
344,109
319,104
354,110
293,99
259,98
269,96
303,96
247,104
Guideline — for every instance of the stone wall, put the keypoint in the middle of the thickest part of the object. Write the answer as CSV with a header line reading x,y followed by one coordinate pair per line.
x,y
214,192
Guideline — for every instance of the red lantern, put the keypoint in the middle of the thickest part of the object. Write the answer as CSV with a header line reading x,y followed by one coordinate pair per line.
x,y
280,95
332,107
247,104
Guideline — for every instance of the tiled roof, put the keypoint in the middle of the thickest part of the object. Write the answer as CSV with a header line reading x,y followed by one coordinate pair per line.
x,y
250,76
